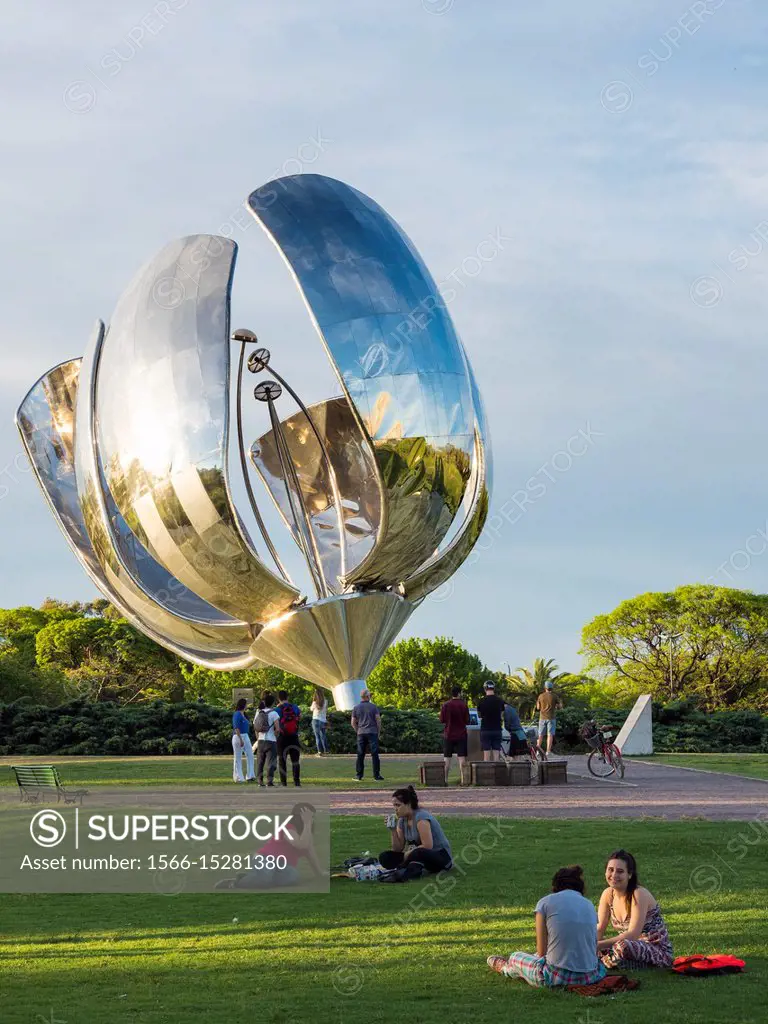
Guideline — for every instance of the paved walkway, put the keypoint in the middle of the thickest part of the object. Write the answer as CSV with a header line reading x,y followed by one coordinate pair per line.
x,y
648,790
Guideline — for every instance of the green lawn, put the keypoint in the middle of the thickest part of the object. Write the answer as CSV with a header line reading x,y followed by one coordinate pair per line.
x,y
754,766
336,772
412,953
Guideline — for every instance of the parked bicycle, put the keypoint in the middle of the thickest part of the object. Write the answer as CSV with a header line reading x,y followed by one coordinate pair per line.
x,y
605,757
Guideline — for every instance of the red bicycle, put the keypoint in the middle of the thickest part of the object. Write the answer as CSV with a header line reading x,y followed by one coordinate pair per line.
x,y
515,747
605,757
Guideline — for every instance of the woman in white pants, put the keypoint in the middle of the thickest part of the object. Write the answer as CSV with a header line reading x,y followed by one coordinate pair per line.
x,y
241,744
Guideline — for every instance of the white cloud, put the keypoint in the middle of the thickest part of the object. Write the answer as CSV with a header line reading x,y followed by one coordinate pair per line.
x,y
485,117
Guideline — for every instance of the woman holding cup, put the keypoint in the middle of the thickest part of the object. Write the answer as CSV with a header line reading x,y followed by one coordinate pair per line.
x,y
416,835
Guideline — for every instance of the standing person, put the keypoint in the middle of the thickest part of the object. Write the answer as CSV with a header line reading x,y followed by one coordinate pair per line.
x,y
454,715
634,913
566,938
416,835
288,739
490,709
320,721
518,741
547,704
266,725
366,721
241,744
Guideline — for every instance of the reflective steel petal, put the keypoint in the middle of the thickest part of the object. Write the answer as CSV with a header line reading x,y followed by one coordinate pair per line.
x,y
46,421
353,465
389,335
334,640
162,407
444,563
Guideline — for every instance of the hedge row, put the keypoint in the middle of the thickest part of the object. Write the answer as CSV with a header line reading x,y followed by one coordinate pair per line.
x,y
85,728
182,728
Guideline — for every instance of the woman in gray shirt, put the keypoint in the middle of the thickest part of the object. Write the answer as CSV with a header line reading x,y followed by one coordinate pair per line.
x,y
416,835
566,938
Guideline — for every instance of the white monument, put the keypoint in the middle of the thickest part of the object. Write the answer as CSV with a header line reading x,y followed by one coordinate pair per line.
x,y
636,736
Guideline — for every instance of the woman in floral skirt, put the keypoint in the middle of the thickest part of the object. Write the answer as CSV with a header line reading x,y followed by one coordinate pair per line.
x,y
642,939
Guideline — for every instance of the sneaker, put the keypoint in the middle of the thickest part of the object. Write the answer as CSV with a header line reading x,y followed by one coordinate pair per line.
x,y
270,785
250,780
497,963
359,778
379,778
262,785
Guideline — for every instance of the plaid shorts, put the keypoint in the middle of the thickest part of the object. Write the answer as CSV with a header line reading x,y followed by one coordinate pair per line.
x,y
536,971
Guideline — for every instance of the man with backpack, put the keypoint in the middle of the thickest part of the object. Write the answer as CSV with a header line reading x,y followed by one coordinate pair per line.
x,y
266,725
288,739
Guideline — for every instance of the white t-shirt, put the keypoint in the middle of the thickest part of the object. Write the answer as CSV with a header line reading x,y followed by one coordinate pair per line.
x,y
319,713
273,717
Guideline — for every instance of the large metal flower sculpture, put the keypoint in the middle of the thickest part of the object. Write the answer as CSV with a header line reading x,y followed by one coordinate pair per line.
x,y
384,489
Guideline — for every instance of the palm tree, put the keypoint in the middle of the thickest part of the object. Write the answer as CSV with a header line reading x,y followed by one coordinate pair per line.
x,y
526,685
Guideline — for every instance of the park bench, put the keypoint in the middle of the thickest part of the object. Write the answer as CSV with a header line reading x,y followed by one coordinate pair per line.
x,y
42,780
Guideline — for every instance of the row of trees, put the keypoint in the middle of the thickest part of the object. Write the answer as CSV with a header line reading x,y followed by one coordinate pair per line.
x,y
705,644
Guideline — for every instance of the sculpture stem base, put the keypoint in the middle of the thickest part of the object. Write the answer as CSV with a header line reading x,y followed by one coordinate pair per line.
x,y
347,694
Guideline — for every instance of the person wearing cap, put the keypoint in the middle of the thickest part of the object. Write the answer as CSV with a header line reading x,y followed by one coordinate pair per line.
x,y
547,704
490,709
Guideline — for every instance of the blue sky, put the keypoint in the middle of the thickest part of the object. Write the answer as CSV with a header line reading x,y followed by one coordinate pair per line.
x,y
621,151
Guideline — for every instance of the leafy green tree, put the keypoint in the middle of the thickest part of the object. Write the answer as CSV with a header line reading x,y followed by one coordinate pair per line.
x,y
420,673
699,641
600,693
216,687
18,631
107,659
47,687
526,684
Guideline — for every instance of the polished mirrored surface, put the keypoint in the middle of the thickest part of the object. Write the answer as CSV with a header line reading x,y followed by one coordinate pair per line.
x,y
162,406
351,462
397,353
392,480
46,421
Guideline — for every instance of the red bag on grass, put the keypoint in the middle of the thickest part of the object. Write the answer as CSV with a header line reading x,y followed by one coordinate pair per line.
x,y
700,966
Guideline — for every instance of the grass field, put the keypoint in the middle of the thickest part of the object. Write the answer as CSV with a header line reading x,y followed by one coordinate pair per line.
x,y
754,766
407,953
336,772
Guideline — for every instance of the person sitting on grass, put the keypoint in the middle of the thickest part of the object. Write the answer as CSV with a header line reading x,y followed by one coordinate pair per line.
x,y
643,939
566,938
416,835
269,871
